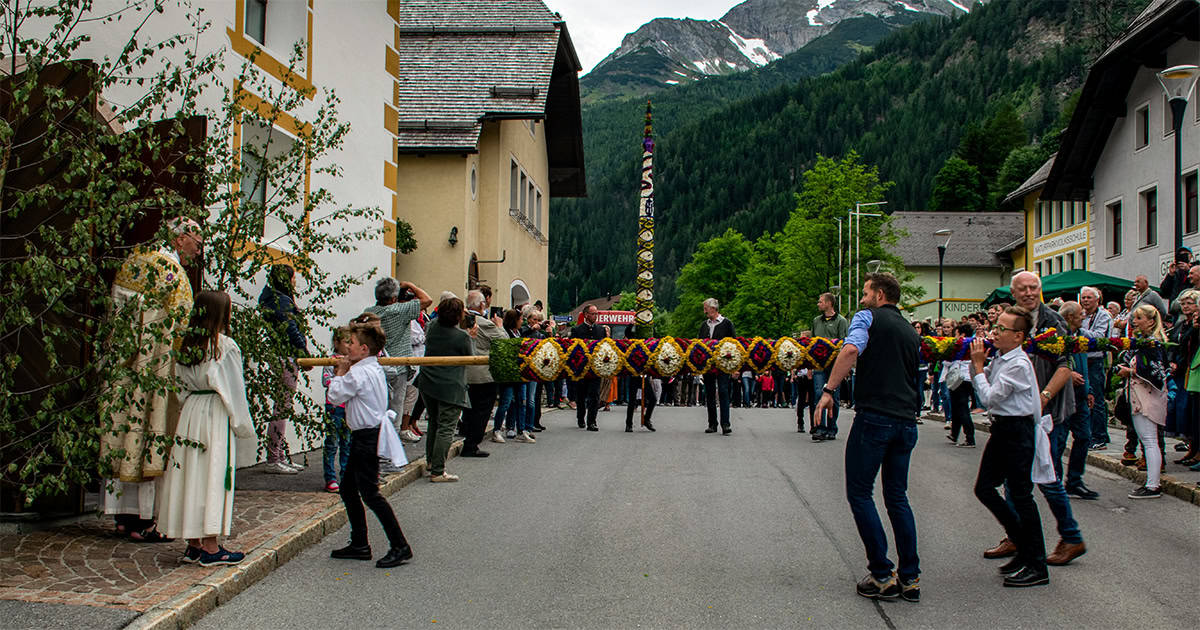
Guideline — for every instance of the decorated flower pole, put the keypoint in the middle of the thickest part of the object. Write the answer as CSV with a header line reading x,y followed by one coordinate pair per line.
x,y
645,240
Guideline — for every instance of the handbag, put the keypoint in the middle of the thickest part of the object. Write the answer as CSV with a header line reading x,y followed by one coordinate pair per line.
x,y
954,378
1123,410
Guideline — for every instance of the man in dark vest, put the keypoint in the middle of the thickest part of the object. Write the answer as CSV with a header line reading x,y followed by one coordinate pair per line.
x,y
716,386
588,389
884,433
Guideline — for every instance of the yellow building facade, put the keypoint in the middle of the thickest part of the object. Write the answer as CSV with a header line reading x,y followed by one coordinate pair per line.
x,y
1058,234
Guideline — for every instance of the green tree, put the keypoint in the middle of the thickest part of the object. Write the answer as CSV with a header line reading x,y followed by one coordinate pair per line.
x,y
1018,166
713,272
956,188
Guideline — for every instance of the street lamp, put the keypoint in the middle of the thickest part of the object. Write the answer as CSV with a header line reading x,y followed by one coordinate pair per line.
x,y
941,264
1178,83
856,228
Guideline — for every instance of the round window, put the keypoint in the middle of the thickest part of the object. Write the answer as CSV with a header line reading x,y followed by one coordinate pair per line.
x,y
473,181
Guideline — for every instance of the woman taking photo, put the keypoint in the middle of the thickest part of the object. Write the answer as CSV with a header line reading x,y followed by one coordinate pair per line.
x,y
196,500
1145,371
444,387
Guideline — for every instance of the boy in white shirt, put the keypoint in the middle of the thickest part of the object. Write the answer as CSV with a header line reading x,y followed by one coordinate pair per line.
x,y
1009,389
360,383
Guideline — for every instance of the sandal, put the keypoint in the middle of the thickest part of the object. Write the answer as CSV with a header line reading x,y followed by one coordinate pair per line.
x,y
150,535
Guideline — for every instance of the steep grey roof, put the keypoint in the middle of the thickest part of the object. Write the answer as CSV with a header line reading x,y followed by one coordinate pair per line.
x,y
463,62
1035,181
977,237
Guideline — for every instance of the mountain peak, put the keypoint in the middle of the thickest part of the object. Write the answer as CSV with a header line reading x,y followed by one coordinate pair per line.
x,y
667,51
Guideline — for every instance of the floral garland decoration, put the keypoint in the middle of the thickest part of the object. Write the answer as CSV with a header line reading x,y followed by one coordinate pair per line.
x,y
550,359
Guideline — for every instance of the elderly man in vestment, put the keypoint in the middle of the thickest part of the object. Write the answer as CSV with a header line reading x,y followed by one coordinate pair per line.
x,y
153,285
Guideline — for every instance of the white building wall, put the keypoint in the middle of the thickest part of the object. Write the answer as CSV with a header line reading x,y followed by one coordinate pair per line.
x,y
1124,171
348,45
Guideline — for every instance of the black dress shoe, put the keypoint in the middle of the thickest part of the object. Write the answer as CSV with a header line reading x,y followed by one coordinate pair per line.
x,y
726,431
649,426
474,453
800,429
711,430
1012,566
536,429
350,552
581,425
818,437
592,427
1083,492
1027,577
395,557
629,428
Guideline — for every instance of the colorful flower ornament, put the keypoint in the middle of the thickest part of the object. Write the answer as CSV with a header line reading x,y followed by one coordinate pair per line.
x,y
787,354
546,360
668,359
606,360
728,355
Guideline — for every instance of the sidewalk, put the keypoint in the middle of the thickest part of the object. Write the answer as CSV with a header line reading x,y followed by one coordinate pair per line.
x,y
81,575
1177,481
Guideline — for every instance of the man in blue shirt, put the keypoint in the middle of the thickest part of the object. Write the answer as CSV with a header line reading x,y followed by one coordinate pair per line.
x,y
883,435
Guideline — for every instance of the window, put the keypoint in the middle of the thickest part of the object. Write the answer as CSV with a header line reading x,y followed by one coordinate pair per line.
x,y
256,20
1070,261
1114,228
533,128
474,183
1141,121
537,217
1038,268
514,190
1081,259
267,213
524,208
1148,200
254,184
1058,215
1168,124
529,213
1058,260
1191,219
1037,218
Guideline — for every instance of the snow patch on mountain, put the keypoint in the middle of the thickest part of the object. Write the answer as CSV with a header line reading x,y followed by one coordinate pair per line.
x,y
812,17
961,7
908,7
754,49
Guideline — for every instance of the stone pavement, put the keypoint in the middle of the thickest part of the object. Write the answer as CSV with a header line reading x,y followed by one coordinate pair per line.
x,y
85,575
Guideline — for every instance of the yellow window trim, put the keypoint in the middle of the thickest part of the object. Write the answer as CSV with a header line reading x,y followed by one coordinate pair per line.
x,y
246,47
248,101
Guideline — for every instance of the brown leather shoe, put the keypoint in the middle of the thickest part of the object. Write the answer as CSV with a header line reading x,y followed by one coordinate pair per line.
x,y
1005,549
1065,552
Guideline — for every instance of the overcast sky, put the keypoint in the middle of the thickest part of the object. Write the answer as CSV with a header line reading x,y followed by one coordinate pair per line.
x,y
597,26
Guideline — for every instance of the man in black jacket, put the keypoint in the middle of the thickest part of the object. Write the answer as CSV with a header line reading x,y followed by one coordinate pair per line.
x,y
588,389
716,386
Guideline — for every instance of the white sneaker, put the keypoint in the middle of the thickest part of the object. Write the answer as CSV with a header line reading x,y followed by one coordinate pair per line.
x,y
279,468
409,436
498,437
525,437
511,434
291,464
443,478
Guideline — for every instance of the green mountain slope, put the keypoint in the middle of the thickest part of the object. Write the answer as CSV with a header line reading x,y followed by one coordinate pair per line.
x,y
722,162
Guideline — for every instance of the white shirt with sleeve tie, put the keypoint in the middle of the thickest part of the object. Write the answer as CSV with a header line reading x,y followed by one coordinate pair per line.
x,y
1008,387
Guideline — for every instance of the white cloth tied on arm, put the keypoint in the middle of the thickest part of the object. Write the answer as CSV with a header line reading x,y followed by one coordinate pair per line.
x,y
1043,462
390,447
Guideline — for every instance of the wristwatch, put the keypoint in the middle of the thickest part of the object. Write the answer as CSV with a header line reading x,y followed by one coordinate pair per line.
x,y
1046,393
831,392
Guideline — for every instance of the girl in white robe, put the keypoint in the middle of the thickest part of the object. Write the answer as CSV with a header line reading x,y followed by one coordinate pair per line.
x,y
196,497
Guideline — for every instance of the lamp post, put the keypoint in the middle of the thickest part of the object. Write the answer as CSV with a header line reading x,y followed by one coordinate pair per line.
x,y
941,264
856,227
1178,83
839,284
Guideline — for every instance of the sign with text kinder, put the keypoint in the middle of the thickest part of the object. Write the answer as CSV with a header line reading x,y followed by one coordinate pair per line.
x,y
1067,240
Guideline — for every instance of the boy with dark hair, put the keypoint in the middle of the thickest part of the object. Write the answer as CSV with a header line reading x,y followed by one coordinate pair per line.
x,y
360,383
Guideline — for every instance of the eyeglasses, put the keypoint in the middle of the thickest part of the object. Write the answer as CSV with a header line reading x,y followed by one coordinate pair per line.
x,y
1002,328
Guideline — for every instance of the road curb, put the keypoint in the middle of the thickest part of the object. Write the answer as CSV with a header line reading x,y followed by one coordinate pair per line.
x,y
185,609
1170,486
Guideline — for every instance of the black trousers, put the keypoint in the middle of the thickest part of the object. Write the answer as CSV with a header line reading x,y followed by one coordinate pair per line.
x,y
804,399
960,413
475,419
1008,459
360,484
716,389
635,384
587,402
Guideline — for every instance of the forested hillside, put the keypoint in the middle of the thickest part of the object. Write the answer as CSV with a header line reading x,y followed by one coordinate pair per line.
x,y
902,106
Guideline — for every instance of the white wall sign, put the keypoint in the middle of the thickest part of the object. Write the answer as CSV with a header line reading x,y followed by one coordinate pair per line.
x,y
1067,240
1164,261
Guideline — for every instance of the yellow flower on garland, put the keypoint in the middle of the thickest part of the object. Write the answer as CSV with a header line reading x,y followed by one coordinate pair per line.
x,y
788,354
605,358
729,355
668,358
546,360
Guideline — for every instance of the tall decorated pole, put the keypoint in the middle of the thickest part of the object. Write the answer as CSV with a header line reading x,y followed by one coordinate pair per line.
x,y
645,239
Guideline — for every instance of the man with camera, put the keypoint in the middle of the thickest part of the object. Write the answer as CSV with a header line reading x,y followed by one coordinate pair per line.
x,y
397,304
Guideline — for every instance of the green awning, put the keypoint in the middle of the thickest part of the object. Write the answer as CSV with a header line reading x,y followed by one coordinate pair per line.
x,y
1067,285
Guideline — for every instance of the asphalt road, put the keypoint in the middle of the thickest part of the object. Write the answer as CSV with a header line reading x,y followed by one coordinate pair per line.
x,y
685,529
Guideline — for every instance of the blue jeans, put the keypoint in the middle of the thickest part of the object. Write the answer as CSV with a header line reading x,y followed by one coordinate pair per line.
x,y
523,402
503,406
747,392
1079,425
944,396
337,443
1055,494
878,442
827,424
1099,413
